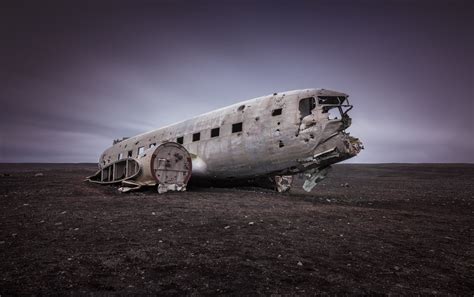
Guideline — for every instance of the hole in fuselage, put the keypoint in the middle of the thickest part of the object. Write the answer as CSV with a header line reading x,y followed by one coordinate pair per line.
x,y
276,112
333,113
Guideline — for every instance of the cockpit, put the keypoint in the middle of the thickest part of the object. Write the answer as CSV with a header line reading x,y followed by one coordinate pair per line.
x,y
334,105
330,108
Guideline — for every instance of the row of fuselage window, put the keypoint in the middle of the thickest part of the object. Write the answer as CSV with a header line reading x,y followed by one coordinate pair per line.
x,y
214,133
196,137
237,127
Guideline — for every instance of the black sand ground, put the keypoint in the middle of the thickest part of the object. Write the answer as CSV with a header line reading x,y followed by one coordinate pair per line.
x,y
393,229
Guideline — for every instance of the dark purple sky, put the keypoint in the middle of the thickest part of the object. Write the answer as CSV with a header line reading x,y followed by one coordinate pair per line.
x,y
76,74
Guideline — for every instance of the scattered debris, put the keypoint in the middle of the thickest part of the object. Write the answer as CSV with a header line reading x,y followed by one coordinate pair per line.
x,y
163,188
299,263
314,176
226,227
283,182
251,223
39,174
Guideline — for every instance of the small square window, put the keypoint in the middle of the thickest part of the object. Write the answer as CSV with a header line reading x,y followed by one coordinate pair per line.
x,y
180,140
276,112
141,150
129,154
236,127
215,132
120,156
196,136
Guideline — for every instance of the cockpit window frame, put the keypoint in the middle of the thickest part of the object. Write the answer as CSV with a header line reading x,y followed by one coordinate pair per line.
x,y
310,106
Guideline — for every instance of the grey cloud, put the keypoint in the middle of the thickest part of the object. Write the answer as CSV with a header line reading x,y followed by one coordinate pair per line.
x,y
76,77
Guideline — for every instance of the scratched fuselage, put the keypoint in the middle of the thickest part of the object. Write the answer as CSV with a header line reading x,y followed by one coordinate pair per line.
x,y
282,133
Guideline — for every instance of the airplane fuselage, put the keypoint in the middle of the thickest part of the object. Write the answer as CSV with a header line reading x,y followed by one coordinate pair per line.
x,y
269,135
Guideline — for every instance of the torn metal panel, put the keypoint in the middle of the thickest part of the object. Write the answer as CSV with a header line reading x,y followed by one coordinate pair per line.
x,y
167,166
283,182
116,172
314,176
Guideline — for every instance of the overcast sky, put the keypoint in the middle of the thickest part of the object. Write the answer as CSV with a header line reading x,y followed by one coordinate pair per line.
x,y
76,74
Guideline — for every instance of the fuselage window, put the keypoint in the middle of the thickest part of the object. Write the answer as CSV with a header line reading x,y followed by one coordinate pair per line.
x,y
152,145
236,127
130,154
120,156
276,112
306,106
180,140
215,132
141,150
196,136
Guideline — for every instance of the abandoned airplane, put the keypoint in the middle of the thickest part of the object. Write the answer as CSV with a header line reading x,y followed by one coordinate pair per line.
x,y
272,137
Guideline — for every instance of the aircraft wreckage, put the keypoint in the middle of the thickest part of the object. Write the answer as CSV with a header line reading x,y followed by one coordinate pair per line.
x,y
269,138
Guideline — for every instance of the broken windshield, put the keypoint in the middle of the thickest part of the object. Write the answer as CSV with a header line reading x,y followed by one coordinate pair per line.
x,y
331,100
337,106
